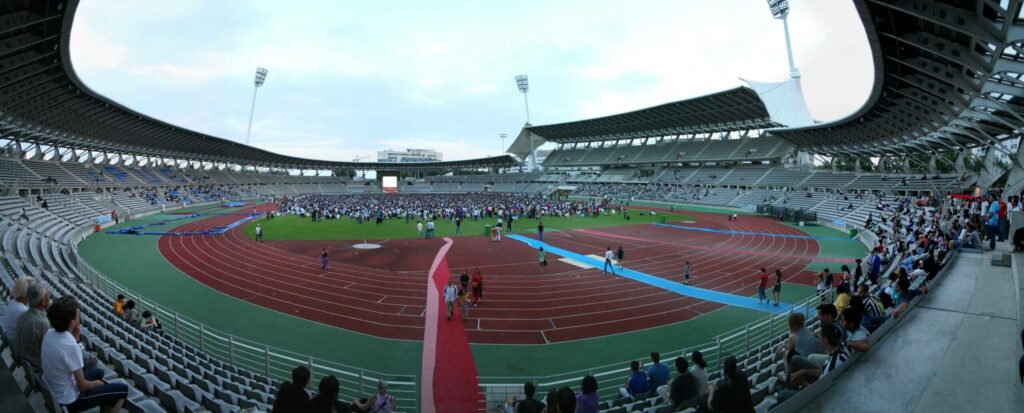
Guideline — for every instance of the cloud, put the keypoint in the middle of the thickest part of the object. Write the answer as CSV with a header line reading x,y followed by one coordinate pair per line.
x,y
350,78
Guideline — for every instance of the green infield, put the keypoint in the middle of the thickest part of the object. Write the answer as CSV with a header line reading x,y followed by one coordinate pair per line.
x,y
293,227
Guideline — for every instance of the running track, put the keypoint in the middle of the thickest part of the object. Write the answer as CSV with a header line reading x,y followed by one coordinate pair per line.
x,y
521,304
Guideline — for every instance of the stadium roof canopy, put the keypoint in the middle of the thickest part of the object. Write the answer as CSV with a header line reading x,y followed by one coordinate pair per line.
x,y
42,101
730,110
947,76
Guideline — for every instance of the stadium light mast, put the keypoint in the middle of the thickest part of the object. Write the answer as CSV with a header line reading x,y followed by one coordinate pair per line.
x,y
261,76
524,86
780,10
502,136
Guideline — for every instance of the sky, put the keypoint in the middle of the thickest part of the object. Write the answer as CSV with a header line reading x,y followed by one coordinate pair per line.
x,y
349,78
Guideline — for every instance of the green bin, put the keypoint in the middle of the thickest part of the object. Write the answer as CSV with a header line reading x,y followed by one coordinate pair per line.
x,y
487,230
853,232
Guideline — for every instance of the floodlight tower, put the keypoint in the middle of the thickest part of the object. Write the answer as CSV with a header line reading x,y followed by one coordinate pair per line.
x,y
524,86
502,136
261,76
780,10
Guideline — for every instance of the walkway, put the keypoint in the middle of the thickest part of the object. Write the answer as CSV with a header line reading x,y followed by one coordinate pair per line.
x,y
448,373
956,352
700,293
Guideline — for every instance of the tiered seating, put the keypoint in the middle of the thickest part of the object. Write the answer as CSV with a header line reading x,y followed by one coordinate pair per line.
x,y
12,171
801,200
707,176
871,183
133,203
414,188
120,176
147,176
756,197
784,178
720,150
744,176
70,210
828,180
334,188
51,169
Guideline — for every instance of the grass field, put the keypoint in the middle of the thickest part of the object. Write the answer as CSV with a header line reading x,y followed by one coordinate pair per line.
x,y
293,227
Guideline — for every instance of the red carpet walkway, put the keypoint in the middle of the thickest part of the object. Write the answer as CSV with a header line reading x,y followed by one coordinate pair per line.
x,y
448,371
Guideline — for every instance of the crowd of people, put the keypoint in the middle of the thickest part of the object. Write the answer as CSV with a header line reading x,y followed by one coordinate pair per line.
x,y
45,336
424,207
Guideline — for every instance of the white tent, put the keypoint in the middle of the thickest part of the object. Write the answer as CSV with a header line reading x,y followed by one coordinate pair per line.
x,y
784,101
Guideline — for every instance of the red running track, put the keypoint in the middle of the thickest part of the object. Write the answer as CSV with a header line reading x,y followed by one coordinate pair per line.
x,y
383,292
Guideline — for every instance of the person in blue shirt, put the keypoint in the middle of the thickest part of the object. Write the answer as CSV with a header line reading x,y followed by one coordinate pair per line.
x,y
876,267
992,223
636,383
658,373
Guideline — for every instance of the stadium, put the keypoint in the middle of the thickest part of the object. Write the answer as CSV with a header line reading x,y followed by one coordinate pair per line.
x,y
718,253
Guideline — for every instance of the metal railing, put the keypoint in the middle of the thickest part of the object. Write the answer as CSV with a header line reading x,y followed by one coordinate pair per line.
x,y
742,342
260,358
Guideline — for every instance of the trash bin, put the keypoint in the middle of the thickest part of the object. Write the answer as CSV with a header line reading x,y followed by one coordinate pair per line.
x,y
487,230
96,228
853,232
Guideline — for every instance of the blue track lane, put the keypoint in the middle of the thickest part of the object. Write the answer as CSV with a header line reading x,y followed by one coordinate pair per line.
x,y
681,289
766,234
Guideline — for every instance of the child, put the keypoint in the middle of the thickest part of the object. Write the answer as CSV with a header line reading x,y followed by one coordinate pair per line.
x,y
464,303
543,260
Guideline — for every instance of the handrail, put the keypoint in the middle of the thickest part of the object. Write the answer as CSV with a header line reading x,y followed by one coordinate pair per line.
x,y
260,358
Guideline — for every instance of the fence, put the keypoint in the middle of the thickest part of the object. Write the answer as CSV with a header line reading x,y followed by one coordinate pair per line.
x,y
260,358
741,342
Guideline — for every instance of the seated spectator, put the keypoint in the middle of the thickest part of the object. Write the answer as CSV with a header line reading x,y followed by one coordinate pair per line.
x,y
119,305
566,402
32,327
636,383
587,399
732,394
855,335
150,323
527,405
381,401
905,294
873,314
326,399
61,359
657,373
838,353
842,297
16,307
130,313
292,396
682,392
699,372
800,342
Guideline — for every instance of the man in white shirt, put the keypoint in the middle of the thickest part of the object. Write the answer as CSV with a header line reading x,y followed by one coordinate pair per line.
x,y
608,263
451,293
259,233
61,359
16,307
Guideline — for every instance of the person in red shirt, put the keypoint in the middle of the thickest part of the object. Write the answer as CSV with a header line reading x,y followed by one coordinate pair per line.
x,y
477,286
762,283
1004,224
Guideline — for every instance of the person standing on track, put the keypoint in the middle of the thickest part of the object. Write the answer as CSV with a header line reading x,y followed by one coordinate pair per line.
x,y
451,293
323,259
620,254
608,257
464,281
777,289
540,231
542,258
477,284
686,273
762,283
259,233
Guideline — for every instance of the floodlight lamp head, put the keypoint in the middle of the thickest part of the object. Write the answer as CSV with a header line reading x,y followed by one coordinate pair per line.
x,y
523,83
261,76
780,8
